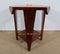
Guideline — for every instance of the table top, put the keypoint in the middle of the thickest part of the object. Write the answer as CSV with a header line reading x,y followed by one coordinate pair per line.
x,y
33,7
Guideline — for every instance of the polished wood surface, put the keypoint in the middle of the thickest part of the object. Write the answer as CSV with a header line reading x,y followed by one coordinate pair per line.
x,y
29,34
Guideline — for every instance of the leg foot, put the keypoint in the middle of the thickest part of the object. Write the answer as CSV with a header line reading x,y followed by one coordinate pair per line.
x,y
29,41
16,37
41,37
29,46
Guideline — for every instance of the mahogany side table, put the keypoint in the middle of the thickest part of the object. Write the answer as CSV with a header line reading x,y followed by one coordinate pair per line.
x,y
29,35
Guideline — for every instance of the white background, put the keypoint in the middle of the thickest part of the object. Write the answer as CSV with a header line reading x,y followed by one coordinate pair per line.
x,y
52,21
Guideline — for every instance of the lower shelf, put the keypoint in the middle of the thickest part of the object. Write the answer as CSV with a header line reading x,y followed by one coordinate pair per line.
x,y
35,35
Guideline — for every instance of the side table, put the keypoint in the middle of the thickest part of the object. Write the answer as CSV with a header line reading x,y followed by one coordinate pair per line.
x,y
29,35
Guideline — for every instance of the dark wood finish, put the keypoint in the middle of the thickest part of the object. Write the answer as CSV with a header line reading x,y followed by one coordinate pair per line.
x,y
15,21
29,35
42,27
29,24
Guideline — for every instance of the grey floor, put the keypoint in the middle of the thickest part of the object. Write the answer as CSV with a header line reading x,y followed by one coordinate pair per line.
x,y
49,45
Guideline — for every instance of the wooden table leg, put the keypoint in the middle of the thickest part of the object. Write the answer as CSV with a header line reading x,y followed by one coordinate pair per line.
x,y
15,21
42,27
29,16
29,42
